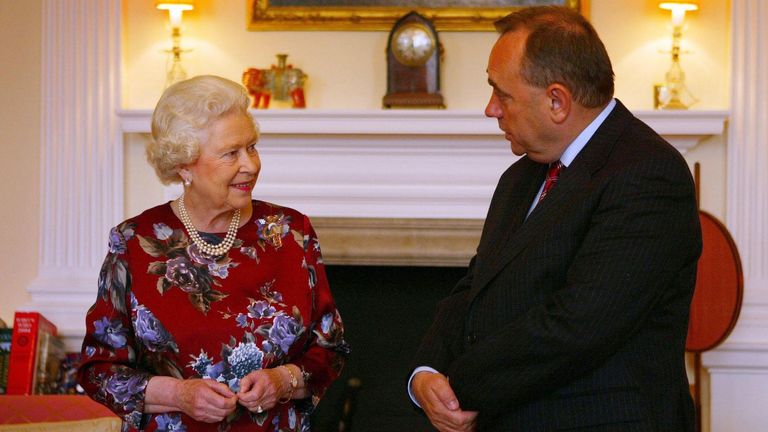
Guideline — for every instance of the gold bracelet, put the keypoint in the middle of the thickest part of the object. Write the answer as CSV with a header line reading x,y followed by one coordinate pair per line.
x,y
294,384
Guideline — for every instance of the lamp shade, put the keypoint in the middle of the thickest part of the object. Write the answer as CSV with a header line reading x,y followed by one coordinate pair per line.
x,y
175,4
678,10
175,8
686,6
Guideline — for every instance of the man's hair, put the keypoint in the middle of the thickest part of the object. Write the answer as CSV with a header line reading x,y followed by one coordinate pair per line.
x,y
562,47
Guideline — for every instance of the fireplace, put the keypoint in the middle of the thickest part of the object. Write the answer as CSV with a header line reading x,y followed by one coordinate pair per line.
x,y
387,276
386,311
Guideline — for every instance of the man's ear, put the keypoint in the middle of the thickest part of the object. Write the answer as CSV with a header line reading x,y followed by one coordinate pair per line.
x,y
560,100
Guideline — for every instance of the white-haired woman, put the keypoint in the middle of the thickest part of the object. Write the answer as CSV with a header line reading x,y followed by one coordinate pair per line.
x,y
213,311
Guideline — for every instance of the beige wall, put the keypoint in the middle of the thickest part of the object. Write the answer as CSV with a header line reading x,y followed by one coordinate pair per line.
x,y
20,25
635,32
347,70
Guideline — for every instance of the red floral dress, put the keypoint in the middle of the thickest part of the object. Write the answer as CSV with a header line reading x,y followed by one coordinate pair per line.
x,y
166,308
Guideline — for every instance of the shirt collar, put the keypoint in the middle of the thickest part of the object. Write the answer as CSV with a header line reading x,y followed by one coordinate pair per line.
x,y
578,144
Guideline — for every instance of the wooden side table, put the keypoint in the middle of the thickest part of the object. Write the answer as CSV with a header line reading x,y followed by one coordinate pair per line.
x,y
55,413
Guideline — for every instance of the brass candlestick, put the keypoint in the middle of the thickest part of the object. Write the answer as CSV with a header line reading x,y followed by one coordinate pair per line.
x,y
669,95
175,8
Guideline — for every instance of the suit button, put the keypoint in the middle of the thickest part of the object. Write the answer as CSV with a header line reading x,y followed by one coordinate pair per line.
x,y
471,338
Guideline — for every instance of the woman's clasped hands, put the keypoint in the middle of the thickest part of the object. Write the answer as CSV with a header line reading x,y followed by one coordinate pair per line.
x,y
210,401
205,400
261,390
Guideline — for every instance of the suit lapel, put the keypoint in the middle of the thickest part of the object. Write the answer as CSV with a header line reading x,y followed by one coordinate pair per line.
x,y
504,225
503,247
551,210
515,204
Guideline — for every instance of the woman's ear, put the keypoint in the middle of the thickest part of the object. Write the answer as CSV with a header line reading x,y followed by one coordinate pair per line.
x,y
560,99
186,175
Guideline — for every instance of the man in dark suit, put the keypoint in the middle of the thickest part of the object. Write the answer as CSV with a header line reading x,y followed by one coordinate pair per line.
x,y
574,311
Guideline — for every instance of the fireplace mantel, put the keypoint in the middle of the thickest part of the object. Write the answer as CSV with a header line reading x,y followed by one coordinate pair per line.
x,y
423,164
399,187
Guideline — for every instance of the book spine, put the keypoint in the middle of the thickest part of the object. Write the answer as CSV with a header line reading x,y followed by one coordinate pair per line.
x,y
5,352
49,357
27,327
46,331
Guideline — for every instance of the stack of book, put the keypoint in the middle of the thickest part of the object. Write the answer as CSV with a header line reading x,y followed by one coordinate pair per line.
x,y
35,357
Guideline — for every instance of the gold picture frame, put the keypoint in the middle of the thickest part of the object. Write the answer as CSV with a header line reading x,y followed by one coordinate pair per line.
x,y
317,15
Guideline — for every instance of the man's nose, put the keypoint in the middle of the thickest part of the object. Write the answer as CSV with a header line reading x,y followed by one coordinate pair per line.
x,y
493,109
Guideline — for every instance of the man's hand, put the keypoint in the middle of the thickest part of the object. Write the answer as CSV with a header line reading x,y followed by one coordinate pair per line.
x,y
438,401
205,400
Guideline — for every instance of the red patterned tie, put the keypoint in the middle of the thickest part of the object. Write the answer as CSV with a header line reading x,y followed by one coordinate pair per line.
x,y
553,174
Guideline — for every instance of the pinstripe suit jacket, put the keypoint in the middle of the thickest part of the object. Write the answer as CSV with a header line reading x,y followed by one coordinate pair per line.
x,y
575,318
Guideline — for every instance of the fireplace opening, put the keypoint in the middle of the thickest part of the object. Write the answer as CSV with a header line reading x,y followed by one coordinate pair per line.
x,y
386,311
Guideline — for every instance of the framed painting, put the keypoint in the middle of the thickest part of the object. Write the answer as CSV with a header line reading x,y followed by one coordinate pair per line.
x,y
446,15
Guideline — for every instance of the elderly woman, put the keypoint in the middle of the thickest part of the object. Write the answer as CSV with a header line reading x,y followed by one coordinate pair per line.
x,y
213,311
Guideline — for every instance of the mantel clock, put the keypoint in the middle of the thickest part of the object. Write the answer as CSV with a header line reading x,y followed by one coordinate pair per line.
x,y
413,64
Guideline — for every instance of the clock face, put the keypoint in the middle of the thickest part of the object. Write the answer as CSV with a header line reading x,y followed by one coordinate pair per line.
x,y
413,44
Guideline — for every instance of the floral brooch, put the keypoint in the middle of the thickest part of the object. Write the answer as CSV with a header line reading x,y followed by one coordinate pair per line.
x,y
273,228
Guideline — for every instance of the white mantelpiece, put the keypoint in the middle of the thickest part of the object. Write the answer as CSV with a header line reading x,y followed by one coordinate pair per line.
x,y
437,164
399,187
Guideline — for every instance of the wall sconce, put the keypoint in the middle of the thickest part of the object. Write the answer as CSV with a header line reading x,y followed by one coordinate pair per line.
x,y
669,94
175,8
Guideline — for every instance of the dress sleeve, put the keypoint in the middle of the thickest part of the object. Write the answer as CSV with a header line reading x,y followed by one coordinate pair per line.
x,y
108,371
326,350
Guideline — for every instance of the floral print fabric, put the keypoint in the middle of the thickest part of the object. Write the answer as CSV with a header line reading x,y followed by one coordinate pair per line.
x,y
164,307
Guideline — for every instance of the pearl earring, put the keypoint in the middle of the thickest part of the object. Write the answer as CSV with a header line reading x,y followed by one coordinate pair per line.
x,y
187,181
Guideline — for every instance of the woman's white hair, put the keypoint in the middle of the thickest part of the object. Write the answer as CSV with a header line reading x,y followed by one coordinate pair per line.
x,y
181,119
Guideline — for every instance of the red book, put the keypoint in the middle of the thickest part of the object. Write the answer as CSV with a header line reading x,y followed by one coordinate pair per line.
x,y
28,331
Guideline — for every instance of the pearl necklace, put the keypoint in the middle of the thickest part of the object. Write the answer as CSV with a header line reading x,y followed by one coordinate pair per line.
x,y
213,250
